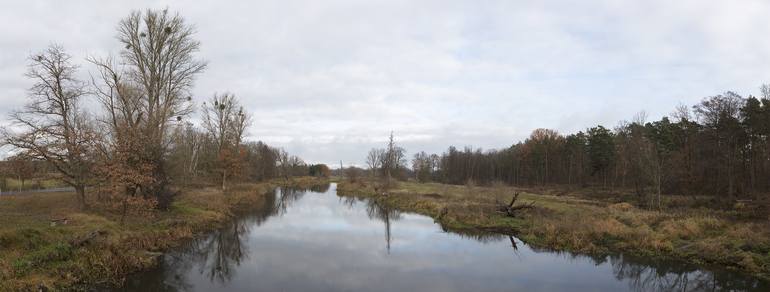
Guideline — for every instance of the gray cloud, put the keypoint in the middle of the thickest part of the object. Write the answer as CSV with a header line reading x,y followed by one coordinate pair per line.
x,y
329,79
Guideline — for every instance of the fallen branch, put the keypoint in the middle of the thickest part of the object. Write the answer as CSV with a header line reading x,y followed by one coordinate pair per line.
x,y
510,209
513,243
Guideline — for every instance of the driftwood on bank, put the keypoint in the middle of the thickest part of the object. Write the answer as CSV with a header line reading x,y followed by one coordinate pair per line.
x,y
510,210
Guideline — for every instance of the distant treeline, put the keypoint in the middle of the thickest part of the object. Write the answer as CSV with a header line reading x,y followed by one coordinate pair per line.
x,y
195,157
717,147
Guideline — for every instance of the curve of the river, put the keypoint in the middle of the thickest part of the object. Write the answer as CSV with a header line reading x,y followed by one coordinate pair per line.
x,y
314,240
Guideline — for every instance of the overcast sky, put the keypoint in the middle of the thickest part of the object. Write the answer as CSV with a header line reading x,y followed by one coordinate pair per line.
x,y
328,80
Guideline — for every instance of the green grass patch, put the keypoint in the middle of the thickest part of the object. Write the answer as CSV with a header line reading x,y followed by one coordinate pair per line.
x,y
40,257
184,209
25,238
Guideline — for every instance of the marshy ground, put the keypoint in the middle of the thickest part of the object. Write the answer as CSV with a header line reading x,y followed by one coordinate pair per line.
x,y
97,246
585,221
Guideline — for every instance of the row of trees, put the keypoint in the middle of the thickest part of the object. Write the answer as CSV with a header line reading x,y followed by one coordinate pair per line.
x,y
387,163
717,147
141,141
22,170
196,155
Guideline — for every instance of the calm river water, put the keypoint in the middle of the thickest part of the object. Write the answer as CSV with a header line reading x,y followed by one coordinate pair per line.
x,y
313,240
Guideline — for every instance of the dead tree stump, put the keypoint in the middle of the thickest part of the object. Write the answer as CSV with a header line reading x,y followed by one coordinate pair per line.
x,y
510,210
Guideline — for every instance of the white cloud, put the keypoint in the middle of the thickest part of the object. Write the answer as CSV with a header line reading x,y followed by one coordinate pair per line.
x,y
329,79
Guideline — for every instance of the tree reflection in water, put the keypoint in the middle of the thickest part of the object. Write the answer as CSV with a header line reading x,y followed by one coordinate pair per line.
x,y
664,275
320,188
224,252
648,275
477,235
217,257
349,201
220,253
378,211
287,196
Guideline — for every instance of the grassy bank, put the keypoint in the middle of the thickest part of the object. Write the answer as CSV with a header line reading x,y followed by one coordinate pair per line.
x,y
589,225
94,247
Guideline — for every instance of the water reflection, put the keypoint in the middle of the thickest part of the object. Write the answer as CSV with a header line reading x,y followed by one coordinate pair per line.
x,y
215,257
320,188
285,197
378,211
307,240
477,235
641,276
218,256
224,252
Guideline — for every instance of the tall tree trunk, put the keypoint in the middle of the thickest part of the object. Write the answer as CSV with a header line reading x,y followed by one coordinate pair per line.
x,y
224,180
731,171
545,179
80,190
659,179
604,185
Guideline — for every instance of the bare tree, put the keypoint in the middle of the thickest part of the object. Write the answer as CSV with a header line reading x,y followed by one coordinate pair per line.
x,y
291,165
148,92
352,173
241,122
389,159
21,166
284,164
422,165
52,126
226,121
374,160
185,155
218,117
393,159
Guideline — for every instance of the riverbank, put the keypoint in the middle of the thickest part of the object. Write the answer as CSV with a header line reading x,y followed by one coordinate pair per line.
x,y
93,247
579,224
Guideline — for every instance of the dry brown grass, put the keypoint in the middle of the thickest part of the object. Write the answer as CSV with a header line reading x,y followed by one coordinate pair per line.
x,y
33,252
592,224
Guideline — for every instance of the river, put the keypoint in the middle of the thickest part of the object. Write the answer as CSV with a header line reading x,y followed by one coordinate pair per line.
x,y
314,240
